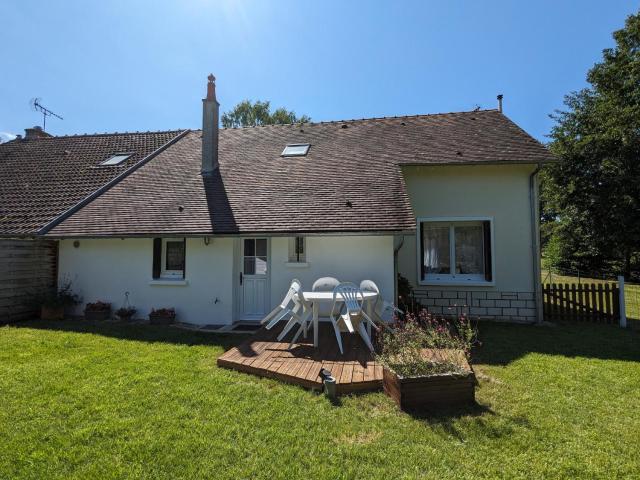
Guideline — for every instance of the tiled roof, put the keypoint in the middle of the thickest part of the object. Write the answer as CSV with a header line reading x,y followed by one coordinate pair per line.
x,y
43,177
349,181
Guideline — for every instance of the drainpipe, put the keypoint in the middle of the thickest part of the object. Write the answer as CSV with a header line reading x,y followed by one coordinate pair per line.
x,y
395,269
535,242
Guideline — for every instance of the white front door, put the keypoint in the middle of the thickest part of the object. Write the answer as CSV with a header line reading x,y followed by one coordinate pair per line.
x,y
254,279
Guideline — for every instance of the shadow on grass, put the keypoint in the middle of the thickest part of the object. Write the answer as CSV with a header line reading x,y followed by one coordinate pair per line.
x,y
503,343
138,332
456,421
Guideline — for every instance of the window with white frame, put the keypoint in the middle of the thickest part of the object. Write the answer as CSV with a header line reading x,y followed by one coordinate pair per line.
x,y
297,250
455,251
169,258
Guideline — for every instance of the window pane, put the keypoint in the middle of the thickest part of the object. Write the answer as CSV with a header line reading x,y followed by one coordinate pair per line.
x,y
469,249
175,256
436,254
249,247
249,265
261,265
261,247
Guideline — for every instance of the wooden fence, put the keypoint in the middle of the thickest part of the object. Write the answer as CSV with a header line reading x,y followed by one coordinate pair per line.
x,y
584,302
27,267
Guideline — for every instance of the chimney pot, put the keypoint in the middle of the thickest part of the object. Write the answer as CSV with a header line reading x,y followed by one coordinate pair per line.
x,y
210,126
500,96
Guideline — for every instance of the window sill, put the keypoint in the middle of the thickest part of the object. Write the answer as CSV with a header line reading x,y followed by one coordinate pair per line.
x,y
178,282
296,264
457,283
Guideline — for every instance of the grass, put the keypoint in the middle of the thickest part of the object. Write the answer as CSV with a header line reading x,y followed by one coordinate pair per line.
x,y
82,400
631,291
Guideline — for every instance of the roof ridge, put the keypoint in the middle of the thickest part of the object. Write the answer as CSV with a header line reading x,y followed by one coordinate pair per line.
x,y
110,134
352,120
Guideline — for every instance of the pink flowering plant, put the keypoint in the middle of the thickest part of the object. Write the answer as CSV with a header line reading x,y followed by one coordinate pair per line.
x,y
422,344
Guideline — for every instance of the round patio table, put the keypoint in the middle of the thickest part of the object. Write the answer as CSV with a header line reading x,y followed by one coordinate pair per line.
x,y
315,299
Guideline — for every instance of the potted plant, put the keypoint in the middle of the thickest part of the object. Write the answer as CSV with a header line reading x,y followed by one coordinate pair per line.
x,y
426,361
126,313
53,302
97,311
162,316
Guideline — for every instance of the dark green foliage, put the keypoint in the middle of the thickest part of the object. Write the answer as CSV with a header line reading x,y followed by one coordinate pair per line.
x,y
591,199
248,114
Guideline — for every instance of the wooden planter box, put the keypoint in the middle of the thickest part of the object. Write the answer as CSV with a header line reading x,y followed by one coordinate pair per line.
x,y
51,313
417,393
93,315
155,319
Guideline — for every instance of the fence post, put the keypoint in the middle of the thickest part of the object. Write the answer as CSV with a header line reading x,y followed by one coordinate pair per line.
x,y
623,313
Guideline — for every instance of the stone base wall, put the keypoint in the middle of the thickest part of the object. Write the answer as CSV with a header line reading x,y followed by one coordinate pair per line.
x,y
503,306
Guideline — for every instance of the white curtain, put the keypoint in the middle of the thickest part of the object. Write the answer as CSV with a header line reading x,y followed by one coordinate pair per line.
x,y
436,255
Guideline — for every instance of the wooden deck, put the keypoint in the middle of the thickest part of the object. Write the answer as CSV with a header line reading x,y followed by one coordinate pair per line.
x,y
263,355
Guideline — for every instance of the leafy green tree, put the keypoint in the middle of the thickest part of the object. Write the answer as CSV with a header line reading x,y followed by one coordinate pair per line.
x,y
591,198
248,114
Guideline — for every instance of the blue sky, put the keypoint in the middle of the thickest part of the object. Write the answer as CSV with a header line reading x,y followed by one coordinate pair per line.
x,y
142,65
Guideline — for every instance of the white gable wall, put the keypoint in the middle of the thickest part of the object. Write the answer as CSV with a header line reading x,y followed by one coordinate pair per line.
x,y
497,191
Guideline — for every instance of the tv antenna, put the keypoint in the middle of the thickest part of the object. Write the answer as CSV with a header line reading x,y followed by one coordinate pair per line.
x,y
38,107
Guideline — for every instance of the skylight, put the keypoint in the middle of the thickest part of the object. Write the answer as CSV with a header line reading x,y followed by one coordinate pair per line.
x,y
295,150
116,159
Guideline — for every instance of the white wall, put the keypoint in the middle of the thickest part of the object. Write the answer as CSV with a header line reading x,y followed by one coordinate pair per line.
x,y
106,269
348,258
501,192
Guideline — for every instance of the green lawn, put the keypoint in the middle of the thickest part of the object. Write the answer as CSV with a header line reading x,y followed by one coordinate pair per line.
x,y
110,401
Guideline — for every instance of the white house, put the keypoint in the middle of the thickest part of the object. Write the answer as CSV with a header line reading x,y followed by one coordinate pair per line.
x,y
216,222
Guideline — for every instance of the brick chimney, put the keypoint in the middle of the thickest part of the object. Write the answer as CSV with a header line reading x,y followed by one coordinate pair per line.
x,y
210,121
35,132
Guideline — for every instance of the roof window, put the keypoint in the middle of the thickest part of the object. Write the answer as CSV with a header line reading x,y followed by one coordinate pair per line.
x,y
115,159
295,150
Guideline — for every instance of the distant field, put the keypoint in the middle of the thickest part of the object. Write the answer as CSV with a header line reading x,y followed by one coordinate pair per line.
x,y
631,291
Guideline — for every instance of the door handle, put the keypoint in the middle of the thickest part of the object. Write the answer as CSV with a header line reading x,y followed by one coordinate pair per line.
x,y
240,278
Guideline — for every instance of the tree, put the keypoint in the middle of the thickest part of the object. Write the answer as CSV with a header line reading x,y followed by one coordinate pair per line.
x,y
591,198
247,114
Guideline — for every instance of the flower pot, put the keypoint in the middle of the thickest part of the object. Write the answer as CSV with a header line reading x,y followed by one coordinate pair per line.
x,y
51,313
93,315
159,319
418,393
126,318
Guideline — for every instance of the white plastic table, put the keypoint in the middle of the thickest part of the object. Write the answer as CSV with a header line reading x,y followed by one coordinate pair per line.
x,y
317,298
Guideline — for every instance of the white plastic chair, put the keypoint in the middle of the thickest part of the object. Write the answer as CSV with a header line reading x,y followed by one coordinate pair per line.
x,y
298,317
352,298
285,309
382,309
324,284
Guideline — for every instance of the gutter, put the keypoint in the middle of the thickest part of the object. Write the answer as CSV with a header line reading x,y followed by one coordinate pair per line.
x,y
535,242
70,211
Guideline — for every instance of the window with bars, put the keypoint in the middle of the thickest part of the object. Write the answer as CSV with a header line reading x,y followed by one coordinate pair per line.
x,y
297,250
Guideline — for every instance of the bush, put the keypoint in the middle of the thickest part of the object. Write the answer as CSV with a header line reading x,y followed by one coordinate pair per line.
x,y
422,345
56,298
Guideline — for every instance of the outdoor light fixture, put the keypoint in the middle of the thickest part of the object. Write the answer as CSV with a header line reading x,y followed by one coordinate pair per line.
x,y
329,383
